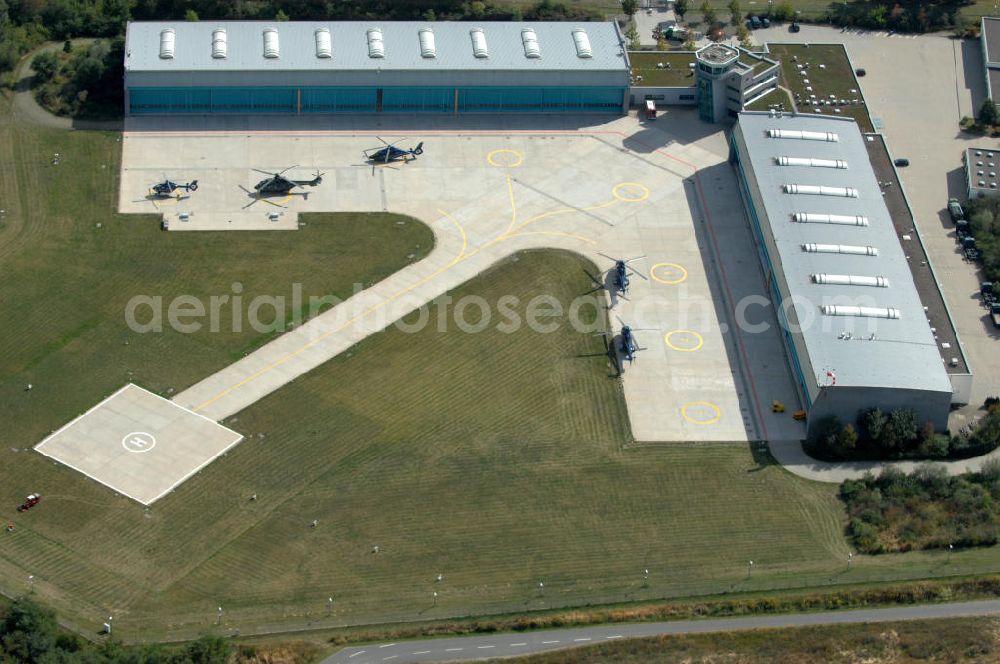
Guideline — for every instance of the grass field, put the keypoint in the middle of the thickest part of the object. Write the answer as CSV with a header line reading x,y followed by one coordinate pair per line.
x,y
947,640
498,460
837,79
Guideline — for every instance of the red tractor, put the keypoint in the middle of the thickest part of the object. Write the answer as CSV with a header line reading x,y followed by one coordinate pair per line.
x,y
29,502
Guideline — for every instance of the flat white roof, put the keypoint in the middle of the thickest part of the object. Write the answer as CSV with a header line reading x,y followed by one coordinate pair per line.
x,y
191,46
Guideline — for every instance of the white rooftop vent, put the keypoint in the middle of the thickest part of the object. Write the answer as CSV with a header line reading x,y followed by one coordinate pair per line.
x,y
426,37
821,218
167,44
479,48
818,190
863,312
271,48
530,41
582,42
324,44
219,47
814,248
850,280
827,136
815,163
376,47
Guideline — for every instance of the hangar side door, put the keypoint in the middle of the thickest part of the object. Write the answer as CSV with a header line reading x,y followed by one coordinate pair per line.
x,y
378,101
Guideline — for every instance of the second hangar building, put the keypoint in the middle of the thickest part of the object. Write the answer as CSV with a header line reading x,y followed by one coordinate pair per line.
x,y
374,67
856,331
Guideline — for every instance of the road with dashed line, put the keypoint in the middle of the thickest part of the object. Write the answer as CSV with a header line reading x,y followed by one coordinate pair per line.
x,y
512,645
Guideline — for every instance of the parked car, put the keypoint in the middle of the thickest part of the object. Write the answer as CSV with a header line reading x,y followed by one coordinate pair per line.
x,y
955,209
794,27
901,162
860,71
753,22
765,22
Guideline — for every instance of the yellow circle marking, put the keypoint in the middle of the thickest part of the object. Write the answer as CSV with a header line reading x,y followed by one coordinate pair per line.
x,y
686,341
275,201
505,158
675,273
630,192
161,202
704,412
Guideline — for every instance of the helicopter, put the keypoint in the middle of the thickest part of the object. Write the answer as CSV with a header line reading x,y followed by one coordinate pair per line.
x,y
628,345
390,153
278,185
622,272
167,188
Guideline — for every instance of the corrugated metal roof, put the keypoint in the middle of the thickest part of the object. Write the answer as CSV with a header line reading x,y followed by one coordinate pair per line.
x,y
453,46
990,34
903,353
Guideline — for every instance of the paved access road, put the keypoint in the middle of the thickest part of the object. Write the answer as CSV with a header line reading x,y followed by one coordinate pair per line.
x,y
509,645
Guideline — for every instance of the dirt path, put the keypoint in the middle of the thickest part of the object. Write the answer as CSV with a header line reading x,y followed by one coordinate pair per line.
x,y
26,109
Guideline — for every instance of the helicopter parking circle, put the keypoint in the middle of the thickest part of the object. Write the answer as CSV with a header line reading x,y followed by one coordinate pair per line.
x,y
505,158
685,341
701,412
160,201
274,200
630,192
672,273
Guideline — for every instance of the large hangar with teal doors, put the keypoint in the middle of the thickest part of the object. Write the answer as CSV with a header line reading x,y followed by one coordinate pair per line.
x,y
257,67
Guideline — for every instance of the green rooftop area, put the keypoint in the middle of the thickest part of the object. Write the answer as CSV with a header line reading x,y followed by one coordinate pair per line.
x,y
829,72
773,98
755,64
676,70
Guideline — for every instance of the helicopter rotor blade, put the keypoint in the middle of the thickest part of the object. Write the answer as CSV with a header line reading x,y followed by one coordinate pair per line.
x,y
287,169
635,259
382,140
636,273
613,260
271,173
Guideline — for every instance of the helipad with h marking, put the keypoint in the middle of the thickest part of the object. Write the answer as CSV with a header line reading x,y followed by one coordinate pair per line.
x,y
139,444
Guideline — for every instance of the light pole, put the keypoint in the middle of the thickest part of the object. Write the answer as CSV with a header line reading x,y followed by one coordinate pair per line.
x,y
850,557
31,583
645,577
749,568
219,617
541,588
329,606
435,598
951,547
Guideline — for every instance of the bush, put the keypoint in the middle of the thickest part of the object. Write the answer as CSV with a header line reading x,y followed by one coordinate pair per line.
x,y
923,510
45,65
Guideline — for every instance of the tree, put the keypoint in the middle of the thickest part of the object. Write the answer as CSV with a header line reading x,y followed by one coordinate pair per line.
x,y
988,114
28,632
281,16
903,425
88,72
629,7
688,44
45,65
735,13
873,423
191,15
743,34
707,13
633,38
680,8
